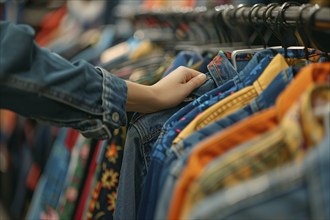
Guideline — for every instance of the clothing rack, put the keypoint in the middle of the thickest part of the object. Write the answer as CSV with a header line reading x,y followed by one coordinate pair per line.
x,y
291,23
290,13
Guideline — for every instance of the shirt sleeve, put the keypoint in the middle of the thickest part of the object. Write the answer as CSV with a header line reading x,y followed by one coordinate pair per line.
x,y
40,84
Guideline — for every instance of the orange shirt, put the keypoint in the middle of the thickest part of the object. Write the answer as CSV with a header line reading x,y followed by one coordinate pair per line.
x,y
247,129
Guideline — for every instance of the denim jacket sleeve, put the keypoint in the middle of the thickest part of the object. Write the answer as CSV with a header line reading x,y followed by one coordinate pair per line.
x,y
39,84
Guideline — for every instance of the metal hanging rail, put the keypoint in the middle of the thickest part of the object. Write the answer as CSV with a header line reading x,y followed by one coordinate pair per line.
x,y
291,13
318,17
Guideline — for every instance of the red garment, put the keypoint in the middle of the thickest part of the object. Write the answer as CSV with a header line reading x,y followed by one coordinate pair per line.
x,y
49,24
71,139
87,186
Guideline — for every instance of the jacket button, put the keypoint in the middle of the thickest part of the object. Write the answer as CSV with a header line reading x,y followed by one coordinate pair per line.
x,y
115,116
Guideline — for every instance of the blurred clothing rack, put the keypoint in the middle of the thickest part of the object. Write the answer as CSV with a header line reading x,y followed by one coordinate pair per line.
x,y
291,14
287,24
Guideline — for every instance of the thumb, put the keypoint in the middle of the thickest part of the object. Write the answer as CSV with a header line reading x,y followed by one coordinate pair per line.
x,y
196,81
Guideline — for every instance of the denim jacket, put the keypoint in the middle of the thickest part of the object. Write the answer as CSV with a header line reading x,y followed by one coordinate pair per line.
x,y
40,84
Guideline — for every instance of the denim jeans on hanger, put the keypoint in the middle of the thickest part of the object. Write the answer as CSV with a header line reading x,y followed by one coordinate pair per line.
x,y
51,182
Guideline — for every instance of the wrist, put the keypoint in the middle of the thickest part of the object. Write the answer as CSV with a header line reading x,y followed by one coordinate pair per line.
x,y
141,98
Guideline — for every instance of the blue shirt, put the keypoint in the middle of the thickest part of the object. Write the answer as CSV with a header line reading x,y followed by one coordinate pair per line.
x,y
220,66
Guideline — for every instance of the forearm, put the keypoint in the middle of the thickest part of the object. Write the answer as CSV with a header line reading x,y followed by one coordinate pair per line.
x,y
166,93
39,84
141,98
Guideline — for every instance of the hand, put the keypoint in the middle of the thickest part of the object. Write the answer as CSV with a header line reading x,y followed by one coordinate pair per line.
x,y
166,93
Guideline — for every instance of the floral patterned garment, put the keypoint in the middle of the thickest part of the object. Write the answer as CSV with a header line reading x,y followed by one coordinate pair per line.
x,y
103,202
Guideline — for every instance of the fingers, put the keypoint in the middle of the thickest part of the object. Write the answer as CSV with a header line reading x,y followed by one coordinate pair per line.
x,y
191,79
193,72
197,81
187,72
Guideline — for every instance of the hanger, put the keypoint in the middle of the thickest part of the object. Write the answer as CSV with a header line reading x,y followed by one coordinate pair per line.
x,y
300,31
220,23
257,32
202,23
284,28
231,21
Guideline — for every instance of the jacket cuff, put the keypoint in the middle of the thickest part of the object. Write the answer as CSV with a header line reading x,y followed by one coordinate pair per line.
x,y
114,97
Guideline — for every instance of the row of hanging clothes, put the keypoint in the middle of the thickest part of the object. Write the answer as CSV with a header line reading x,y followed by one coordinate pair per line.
x,y
251,142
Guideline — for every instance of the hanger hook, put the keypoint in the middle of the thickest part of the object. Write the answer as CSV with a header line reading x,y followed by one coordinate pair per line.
x,y
281,23
241,6
235,19
255,8
284,7
267,21
269,8
300,28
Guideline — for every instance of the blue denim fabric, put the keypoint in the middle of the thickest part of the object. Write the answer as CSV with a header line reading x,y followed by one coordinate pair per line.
x,y
265,100
173,172
238,82
184,58
54,90
297,191
223,91
218,66
241,60
141,135
150,193
172,167
52,180
180,152
207,58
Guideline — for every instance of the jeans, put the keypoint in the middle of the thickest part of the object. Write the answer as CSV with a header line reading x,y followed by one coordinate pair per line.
x,y
49,88
141,135
51,183
296,191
